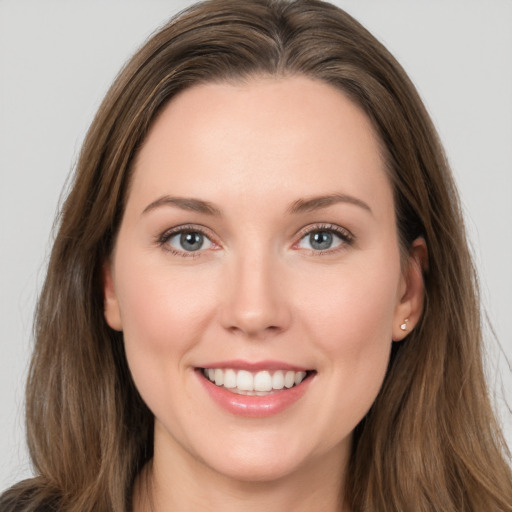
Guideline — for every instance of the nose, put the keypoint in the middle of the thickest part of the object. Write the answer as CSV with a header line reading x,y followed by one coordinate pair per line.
x,y
255,302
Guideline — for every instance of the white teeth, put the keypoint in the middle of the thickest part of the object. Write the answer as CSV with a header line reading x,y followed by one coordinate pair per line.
x,y
244,381
262,381
289,379
299,377
278,380
229,379
259,383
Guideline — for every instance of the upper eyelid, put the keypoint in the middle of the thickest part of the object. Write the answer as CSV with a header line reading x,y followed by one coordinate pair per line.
x,y
187,227
311,228
163,238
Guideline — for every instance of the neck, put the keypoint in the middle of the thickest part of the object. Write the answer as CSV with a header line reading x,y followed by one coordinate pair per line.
x,y
189,485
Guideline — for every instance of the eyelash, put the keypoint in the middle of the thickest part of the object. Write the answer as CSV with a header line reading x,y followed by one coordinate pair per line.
x,y
163,239
347,238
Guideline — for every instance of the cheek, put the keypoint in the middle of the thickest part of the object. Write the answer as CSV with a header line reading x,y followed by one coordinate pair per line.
x,y
352,307
161,309
351,323
163,315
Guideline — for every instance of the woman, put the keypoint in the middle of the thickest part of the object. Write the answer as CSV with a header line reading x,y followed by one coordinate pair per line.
x,y
253,300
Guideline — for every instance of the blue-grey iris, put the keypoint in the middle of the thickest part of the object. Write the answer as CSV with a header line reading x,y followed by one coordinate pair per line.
x,y
320,240
191,241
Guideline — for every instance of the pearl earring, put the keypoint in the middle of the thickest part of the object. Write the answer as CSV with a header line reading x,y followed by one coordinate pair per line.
x,y
404,325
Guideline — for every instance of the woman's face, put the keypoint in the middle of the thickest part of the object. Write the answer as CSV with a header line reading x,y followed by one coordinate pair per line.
x,y
258,250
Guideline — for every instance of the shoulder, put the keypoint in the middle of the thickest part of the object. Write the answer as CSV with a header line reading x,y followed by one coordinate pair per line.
x,y
28,496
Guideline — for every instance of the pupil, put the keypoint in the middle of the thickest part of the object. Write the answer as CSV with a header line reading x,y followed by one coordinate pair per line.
x,y
320,240
191,241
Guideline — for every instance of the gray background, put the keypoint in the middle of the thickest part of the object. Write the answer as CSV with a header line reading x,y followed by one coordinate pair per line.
x,y
57,59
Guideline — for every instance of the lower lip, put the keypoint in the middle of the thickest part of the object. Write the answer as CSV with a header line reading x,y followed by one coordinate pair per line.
x,y
254,406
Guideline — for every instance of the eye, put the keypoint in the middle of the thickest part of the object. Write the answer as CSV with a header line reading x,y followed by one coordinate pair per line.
x,y
188,241
322,239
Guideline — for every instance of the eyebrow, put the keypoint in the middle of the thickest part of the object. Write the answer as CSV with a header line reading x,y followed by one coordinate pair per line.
x,y
319,202
185,203
297,207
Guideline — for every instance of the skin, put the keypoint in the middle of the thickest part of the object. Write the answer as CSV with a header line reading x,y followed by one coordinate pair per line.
x,y
259,290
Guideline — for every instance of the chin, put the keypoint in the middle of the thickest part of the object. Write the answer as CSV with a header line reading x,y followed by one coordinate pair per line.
x,y
265,459
258,469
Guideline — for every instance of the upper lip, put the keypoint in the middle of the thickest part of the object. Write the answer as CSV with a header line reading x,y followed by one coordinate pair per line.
x,y
255,366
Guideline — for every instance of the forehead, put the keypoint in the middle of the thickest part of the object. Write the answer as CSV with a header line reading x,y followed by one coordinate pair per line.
x,y
296,135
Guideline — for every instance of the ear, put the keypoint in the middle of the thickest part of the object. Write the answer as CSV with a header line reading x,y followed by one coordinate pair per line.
x,y
412,291
111,304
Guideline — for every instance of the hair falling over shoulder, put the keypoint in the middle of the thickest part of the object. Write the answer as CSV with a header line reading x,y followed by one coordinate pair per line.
x,y
430,441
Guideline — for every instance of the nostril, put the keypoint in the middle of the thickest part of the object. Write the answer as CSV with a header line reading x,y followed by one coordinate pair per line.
x,y
255,332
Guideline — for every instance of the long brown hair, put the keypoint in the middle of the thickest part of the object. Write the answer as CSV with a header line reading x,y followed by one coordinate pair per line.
x,y
429,443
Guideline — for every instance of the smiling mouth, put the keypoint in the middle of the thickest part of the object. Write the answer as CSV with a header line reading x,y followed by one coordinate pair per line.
x,y
261,383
